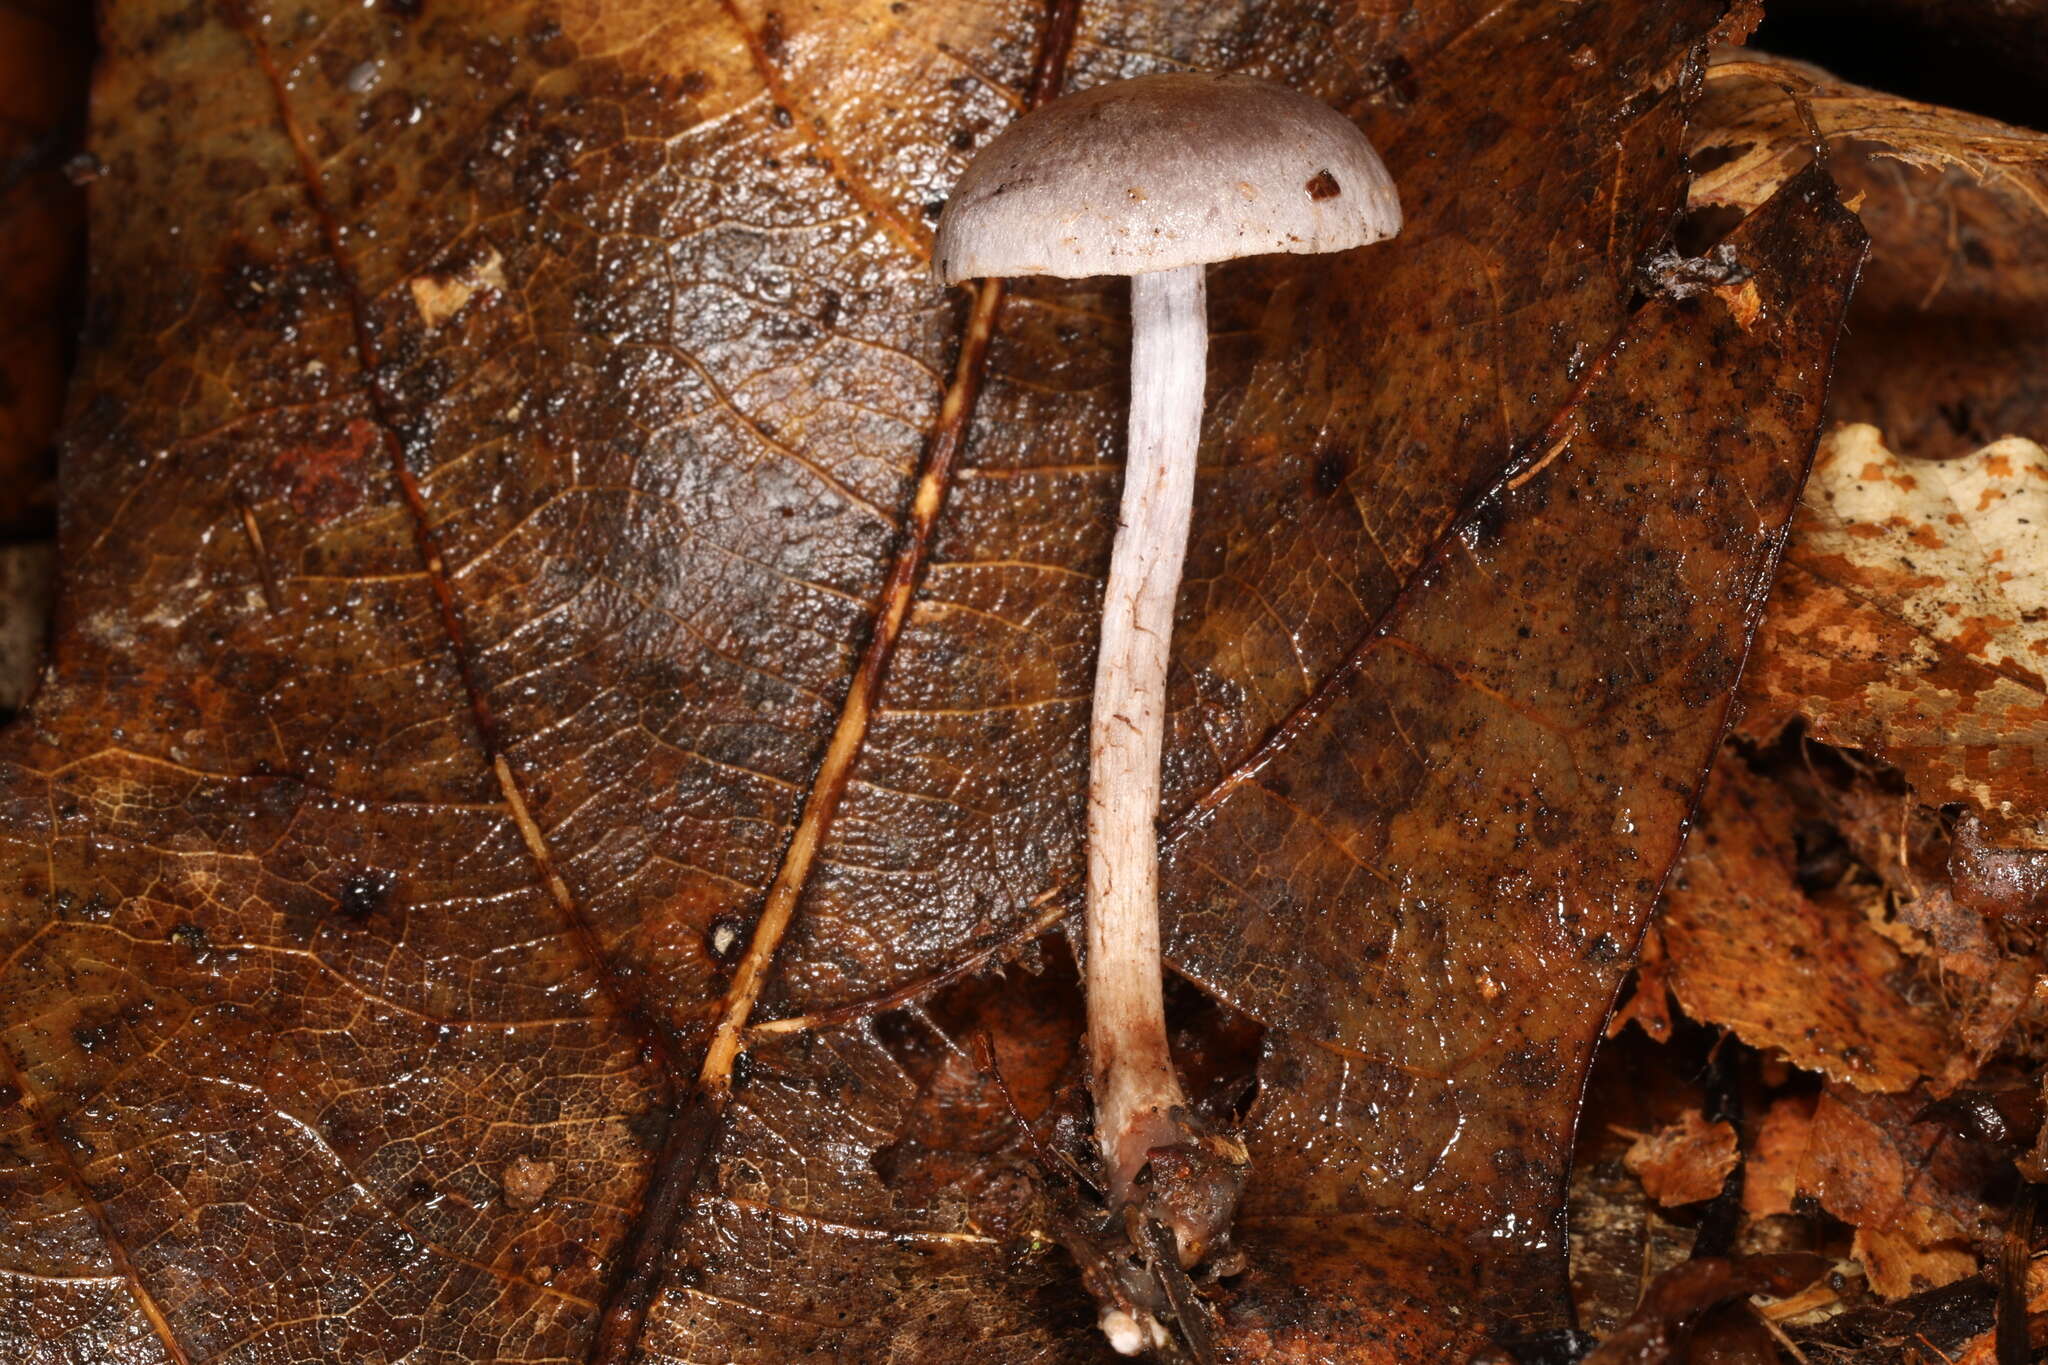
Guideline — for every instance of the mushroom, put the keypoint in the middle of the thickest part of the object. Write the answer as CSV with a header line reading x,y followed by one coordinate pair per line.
x,y
1154,178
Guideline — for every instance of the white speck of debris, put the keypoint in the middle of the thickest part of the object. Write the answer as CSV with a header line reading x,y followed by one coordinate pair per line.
x,y
174,605
1126,1338
441,296
363,78
724,938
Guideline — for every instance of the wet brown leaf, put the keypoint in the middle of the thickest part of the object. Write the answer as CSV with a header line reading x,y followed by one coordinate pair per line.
x,y
1926,1329
1621,1239
1983,1349
2002,882
1430,798
527,544
1660,1332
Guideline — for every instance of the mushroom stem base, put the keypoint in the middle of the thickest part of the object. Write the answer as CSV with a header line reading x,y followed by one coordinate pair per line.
x,y
1173,1185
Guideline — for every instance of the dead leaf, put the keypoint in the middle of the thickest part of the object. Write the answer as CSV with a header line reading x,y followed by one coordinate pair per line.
x,y
1954,52
1770,1172
1910,1256
1805,974
1939,1320
1912,1189
1912,620
1984,978
1989,1016
1933,922
1398,827
1902,571
1900,842
1686,1162
440,701
1649,1003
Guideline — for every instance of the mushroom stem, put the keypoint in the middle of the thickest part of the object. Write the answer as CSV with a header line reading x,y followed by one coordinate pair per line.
x,y
1136,1091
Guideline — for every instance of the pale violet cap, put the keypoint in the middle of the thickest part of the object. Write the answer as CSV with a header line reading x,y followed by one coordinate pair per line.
x,y
1163,171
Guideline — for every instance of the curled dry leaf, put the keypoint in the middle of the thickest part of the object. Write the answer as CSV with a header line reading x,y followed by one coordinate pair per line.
x,y
1911,620
1757,122
1685,1162
1964,53
1947,348
1947,353
474,698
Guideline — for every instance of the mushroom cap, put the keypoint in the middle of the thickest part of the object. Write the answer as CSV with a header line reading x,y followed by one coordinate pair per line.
x,y
1164,171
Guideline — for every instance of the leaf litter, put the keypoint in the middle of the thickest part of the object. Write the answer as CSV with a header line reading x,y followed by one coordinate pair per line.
x,y
296,963
1853,928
